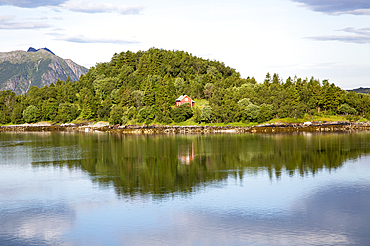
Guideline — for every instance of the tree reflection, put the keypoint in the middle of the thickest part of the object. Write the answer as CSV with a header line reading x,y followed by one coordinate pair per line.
x,y
154,165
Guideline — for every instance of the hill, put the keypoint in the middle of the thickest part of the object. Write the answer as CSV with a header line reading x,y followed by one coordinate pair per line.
x,y
361,90
19,70
142,87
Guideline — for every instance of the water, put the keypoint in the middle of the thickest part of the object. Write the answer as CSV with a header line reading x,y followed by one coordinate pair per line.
x,y
102,189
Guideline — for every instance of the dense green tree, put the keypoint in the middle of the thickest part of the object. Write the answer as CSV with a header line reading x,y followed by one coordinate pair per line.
x,y
265,113
346,109
197,115
208,88
137,97
243,103
89,103
206,114
251,112
146,115
179,85
129,114
142,87
116,115
7,104
31,114
182,113
17,114
49,109
67,112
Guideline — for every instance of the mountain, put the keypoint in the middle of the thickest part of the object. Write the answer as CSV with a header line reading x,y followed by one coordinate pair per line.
x,y
19,70
31,49
361,90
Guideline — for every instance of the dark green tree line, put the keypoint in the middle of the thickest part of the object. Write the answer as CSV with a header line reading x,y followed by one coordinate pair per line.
x,y
142,87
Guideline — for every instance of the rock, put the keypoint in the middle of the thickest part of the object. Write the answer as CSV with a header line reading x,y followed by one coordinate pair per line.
x,y
31,49
19,70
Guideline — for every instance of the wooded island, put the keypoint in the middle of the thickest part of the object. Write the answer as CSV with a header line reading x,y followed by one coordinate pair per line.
x,y
142,88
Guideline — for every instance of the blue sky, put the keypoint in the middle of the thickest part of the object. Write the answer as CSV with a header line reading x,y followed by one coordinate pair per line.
x,y
327,39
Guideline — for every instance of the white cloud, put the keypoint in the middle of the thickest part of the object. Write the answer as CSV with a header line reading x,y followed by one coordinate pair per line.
x,y
83,39
338,7
358,36
10,22
91,7
31,4
353,12
83,6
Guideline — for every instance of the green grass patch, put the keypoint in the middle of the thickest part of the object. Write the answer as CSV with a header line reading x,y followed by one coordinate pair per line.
x,y
200,103
329,118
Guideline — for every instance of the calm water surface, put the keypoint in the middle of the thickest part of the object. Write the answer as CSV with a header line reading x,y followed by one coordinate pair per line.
x,y
102,189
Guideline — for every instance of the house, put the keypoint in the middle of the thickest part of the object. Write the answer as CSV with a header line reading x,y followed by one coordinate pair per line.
x,y
184,99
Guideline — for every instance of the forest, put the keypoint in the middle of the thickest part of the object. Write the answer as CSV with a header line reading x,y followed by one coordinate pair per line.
x,y
142,87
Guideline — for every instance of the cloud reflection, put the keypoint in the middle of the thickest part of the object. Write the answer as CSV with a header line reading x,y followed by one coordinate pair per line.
x,y
35,224
336,215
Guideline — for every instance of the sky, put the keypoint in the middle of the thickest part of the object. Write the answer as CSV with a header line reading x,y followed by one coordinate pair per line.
x,y
326,39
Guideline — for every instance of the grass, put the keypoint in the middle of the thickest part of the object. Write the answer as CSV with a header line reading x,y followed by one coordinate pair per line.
x,y
306,118
200,103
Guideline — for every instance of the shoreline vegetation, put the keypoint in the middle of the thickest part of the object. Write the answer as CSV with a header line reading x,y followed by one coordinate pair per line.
x,y
334,126
141,89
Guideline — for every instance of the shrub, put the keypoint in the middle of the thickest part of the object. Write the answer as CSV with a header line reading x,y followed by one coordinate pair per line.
x,y
206,113
251,112
182,113
31,114
265,113
116,115
67,112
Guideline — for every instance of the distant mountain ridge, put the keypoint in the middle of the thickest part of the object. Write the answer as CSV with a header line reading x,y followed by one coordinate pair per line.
x,y
361,90
31,49
19,70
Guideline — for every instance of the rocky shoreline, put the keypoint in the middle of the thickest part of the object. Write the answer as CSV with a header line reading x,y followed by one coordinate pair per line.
x,y
156,129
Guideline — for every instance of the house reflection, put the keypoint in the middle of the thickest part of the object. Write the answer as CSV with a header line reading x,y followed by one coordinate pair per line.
x,y
186,154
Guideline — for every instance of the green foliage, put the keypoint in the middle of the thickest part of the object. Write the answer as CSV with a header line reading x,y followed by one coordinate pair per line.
x,y
197,115
67,112
116,115
208,89
146,114
244,103
142,87
49,109
346,109
137,97
182,113
179,86
265,113
7,104
206,114
130,113
251,112
17,116
31,114
104,109
89,103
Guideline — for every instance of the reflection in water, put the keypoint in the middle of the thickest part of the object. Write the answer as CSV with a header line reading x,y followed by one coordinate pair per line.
x,y
184,189
336,215
152,165
186,154
35,224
